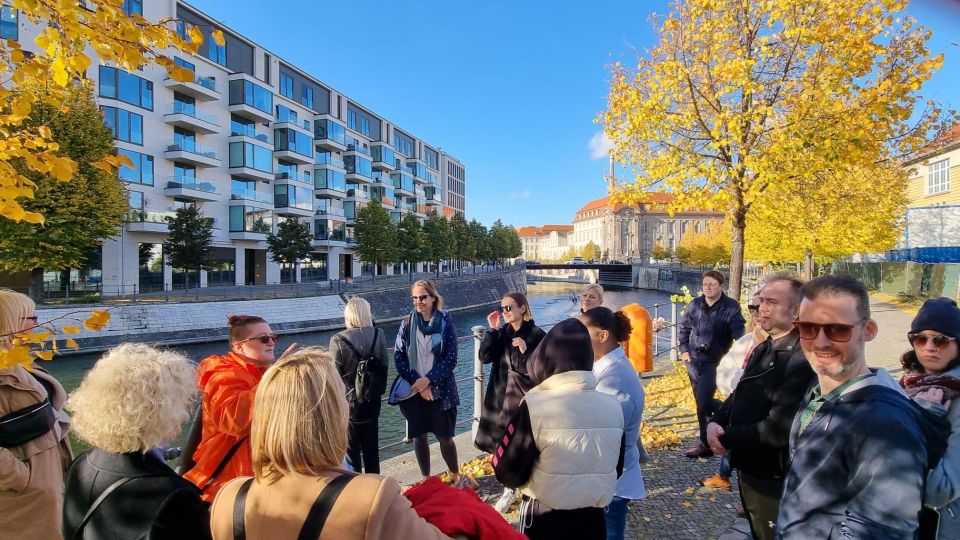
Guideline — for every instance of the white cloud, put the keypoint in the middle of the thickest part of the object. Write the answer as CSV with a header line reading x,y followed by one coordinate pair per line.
x,y
599,146
525,194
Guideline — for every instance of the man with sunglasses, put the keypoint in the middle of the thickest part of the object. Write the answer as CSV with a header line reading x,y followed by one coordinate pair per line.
x,y
860,448
753,424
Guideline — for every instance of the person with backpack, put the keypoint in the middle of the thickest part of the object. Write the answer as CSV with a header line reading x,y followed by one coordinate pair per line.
x,y
298,488
228,383
932,379
128,408
360,353
34,448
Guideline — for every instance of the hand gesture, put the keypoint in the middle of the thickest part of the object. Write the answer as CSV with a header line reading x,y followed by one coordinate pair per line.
x,y
714,431
493,319
427,394
420,384
685,357
932,394
520,344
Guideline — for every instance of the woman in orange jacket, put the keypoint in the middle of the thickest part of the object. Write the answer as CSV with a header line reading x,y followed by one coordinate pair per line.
x,y
229,383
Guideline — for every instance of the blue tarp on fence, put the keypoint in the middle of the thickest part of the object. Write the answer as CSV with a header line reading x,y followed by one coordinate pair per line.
x,y
925,255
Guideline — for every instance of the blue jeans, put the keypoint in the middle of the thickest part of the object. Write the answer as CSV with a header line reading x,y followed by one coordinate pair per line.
x,y
616,517
703,379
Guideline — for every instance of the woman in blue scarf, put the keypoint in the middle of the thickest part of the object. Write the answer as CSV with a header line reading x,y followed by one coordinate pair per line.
x,y
426,354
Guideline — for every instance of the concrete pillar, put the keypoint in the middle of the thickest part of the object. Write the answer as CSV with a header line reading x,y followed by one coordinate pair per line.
x,y
333,263
203,278
167,275
296,273
240,268
273,271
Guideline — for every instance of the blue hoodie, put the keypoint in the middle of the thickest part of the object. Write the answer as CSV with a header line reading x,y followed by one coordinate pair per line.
x,y
859,468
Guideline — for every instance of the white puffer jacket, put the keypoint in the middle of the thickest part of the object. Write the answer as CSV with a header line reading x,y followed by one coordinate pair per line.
x,y
578,431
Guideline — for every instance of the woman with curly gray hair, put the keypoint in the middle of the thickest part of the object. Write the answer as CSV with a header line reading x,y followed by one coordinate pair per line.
x,y
132,403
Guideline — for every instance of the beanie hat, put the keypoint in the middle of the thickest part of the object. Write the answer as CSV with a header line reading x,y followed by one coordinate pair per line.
x,y
938,314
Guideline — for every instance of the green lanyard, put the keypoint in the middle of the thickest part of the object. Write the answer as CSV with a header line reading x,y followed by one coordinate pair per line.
x,y
818,400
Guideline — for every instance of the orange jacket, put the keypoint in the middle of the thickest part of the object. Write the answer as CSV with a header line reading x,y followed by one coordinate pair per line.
x,y
229,384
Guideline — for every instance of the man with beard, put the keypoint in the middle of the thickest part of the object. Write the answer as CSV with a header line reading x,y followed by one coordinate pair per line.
x,y
860,448
753,424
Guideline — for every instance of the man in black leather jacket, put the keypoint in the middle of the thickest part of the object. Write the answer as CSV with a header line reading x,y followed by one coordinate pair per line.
x,y
754,422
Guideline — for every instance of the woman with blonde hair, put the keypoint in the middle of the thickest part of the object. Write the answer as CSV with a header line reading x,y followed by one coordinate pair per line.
x,y
34,448
299,439
591,296
360,354
128,408
426,355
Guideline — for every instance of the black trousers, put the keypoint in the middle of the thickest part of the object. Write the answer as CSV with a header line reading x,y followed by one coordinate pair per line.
x,y
363,442
581,524
703,380
761,502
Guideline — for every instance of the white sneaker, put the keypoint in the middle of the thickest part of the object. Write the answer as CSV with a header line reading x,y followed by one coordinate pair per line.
x,y
503,504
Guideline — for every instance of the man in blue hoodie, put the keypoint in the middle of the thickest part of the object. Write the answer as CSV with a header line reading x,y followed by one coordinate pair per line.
x,y
860,448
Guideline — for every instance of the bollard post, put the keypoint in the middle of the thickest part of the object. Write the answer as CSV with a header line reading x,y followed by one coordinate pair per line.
x,y
656,338
674,351
477,380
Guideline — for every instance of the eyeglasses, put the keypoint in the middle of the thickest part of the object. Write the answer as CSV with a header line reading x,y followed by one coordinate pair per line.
x,y
421,298
836,332
753,307
920,340
506,309
265,339
33,318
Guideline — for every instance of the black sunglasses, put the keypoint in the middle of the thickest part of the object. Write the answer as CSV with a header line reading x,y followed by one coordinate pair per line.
x,y
751,307
266,338
420,298
33,318
836,332
507,309
920,340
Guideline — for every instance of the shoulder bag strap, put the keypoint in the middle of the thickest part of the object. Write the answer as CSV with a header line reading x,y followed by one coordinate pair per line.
x,y
78,532
239,505
223,463
350,346
313,525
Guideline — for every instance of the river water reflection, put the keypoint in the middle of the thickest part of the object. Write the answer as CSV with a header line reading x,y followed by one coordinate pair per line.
x,y
551,302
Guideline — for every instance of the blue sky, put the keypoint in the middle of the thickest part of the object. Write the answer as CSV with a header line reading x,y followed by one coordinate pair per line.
x,y
509,88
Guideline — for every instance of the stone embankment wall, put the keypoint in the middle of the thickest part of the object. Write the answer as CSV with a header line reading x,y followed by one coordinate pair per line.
x,y
175,323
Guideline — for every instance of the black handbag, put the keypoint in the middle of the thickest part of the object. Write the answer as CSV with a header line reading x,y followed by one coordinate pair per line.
x,y
26,424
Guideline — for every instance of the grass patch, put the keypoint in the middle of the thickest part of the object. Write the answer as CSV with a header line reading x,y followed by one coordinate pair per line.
x,y
907,302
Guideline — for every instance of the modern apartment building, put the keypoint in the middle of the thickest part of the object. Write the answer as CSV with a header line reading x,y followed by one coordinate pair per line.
x,y
252,141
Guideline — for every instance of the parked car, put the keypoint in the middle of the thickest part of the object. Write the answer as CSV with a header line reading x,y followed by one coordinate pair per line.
x,y
614,262
577,260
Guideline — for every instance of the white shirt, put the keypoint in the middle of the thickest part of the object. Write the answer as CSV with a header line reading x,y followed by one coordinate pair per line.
x,y
616,376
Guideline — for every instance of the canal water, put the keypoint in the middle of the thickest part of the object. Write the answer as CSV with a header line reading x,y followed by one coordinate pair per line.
x,y
551,302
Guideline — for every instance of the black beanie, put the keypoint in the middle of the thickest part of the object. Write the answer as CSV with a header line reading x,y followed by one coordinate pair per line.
x,y
940,315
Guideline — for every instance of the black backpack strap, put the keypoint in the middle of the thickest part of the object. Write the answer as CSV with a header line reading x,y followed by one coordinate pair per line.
x,y
78,532
239,505
320,510
223,463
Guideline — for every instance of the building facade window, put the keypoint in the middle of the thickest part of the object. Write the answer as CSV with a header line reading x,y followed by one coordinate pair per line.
x,y
365,126
432,158
306,96
243,92
8,23
402,144
125,125
328,129
217,53
126,87
184,173
352,120
938,177
184,64
135,200
292,140
249,219
252,156
142,170
133,6
266,68
286,114
243,127
286,85
330,179
185,139
184,104
290,196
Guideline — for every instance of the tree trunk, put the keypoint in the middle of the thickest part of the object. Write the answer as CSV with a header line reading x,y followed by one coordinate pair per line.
x,y
808,270
36,284
736,254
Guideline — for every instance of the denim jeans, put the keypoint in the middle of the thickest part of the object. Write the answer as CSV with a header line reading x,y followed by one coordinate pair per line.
x,y
616,518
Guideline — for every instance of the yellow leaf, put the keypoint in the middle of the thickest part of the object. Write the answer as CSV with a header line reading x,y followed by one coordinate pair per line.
x,y
33,217
195,35
72,344
43,355
217,36
70,329
44,132
63,169
59,70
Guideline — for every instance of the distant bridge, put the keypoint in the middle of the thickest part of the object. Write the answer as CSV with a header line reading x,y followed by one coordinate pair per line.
x,y
607,274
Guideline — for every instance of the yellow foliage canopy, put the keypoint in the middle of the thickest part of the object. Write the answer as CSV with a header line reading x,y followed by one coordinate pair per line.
x,y
734,90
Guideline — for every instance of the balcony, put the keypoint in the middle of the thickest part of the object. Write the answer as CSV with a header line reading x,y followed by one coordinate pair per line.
x,y
357,195
288,121
297,210
191,188
290,155
327,210
186,116
254,199
145,221
329,135
201,88
383,157
354,149
193,153
325,160
284,177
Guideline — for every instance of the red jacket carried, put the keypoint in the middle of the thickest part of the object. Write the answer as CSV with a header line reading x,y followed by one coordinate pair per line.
x,y
459,511
229,384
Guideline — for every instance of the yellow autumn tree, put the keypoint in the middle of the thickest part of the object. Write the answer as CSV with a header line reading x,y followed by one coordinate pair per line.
x,y
710,246
735,88
828,215
68,29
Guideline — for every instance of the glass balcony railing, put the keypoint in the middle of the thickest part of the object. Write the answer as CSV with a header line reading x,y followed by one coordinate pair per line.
x,y
209,83
356,147
191,183
359,194
190,110
192,147
329,210
144,216
248,195
326,158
